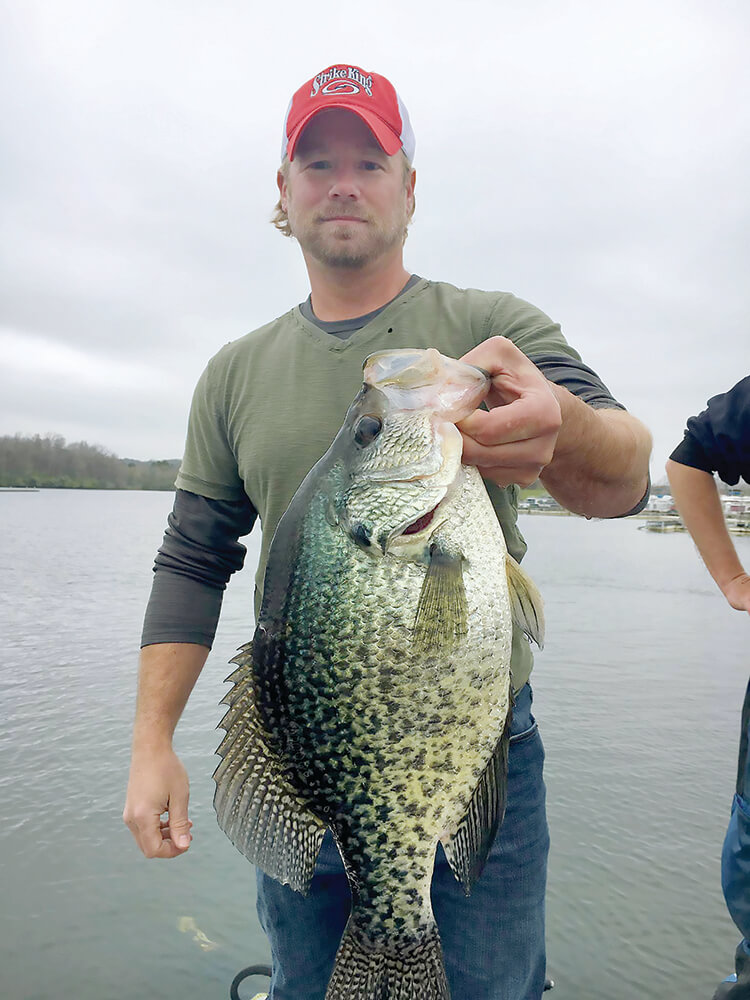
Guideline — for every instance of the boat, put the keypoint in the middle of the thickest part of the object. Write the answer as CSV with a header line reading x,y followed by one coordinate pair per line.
x,y
662,524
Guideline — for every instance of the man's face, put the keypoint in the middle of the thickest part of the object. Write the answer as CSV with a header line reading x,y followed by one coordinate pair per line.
x,y
347,201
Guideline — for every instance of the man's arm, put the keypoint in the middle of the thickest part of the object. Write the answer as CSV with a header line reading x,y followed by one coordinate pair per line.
x,y
199,553
697,499
600,463
593,461
158,781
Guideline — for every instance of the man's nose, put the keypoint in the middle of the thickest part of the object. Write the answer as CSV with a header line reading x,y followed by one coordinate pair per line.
x,y
344,185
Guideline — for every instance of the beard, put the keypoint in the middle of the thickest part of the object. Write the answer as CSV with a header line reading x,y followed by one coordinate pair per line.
x,y
340,247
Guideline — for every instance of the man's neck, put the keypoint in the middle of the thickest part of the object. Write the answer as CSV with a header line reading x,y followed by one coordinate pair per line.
x,y
342,293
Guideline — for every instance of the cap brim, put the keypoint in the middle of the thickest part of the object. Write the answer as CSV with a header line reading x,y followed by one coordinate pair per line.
x,y
386,138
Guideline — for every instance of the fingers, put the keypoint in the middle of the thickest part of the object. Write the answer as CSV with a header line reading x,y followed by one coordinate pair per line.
x,y
154,837
533,416
508,367
179,824
145,827
515,440
158,787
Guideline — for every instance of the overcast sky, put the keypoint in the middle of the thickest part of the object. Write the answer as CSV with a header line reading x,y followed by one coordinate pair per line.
x,y
591,157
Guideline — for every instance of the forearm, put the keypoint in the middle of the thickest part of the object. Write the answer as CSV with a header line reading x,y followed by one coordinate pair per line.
x,y
600,463
697,499
167,674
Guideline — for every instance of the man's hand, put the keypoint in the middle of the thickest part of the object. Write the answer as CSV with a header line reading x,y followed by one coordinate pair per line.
x,y
737,592
158,784
516,439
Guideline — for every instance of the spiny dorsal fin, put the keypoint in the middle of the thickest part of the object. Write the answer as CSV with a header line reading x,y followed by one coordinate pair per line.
x,y
526,602
441,610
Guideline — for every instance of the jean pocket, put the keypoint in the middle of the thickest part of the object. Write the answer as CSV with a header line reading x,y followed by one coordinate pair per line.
x,y
526,734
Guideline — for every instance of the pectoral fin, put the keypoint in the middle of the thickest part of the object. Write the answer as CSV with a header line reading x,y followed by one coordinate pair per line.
x,y
263,816
441,609
526,602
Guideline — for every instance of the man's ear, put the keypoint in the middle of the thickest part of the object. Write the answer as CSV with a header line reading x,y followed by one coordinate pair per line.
x,y
410,186
282,185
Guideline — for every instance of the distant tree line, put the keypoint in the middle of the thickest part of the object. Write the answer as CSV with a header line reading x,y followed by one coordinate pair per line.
x,y
49,462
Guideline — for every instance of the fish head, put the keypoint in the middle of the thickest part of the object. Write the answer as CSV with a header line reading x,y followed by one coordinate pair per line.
x,y
402,449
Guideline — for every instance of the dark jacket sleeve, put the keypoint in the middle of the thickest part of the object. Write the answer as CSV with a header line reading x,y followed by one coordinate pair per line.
x,y
718,439
200,551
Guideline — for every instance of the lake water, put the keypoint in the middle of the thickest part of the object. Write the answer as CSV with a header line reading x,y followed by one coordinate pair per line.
x,y
638,693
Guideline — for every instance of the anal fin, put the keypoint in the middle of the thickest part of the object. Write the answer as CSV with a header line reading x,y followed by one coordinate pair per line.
x,y
467,849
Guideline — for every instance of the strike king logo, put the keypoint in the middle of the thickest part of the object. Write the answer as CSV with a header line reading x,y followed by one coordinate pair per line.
x,y
341,80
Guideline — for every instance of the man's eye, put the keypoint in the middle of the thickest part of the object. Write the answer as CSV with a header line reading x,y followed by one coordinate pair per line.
x,y
370,165
319,165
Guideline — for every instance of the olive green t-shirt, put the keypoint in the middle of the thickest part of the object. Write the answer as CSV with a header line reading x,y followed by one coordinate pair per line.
x,y
268,405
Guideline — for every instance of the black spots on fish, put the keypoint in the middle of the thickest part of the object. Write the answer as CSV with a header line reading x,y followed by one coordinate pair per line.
x,y
446,695
367,428
383,813
362,652
385,686
361,533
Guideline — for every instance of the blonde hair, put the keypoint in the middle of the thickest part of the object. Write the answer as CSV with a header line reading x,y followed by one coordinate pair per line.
x,y
280,219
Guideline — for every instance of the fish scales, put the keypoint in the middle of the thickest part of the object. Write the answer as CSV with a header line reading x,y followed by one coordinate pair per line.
x,y
359,723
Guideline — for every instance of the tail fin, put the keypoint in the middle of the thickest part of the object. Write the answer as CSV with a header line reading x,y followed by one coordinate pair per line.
x,y
407,969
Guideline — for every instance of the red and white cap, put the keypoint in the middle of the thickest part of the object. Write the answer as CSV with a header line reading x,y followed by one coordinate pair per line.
x,y
368,95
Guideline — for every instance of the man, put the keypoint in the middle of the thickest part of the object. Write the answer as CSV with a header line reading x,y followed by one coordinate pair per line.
x,y
718,441
268,406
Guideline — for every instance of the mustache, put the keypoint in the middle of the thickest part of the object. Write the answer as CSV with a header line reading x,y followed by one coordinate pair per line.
x,y
338,215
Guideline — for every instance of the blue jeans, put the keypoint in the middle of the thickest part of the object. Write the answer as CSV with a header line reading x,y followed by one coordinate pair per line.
x,y
493,940
735,867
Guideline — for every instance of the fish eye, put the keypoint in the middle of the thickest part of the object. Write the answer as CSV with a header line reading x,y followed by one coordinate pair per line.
x,y
367,430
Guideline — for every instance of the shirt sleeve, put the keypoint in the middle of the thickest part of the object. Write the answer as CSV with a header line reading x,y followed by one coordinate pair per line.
x,y
718,438
209,465
200,551
577,378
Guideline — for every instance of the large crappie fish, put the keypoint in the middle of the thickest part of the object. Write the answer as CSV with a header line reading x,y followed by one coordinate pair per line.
x,y
375,696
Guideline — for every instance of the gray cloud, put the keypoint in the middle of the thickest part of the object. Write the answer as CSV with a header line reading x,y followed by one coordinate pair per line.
x,y
591,158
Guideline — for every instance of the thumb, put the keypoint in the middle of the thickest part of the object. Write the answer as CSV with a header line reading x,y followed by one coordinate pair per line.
x,y
179,824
